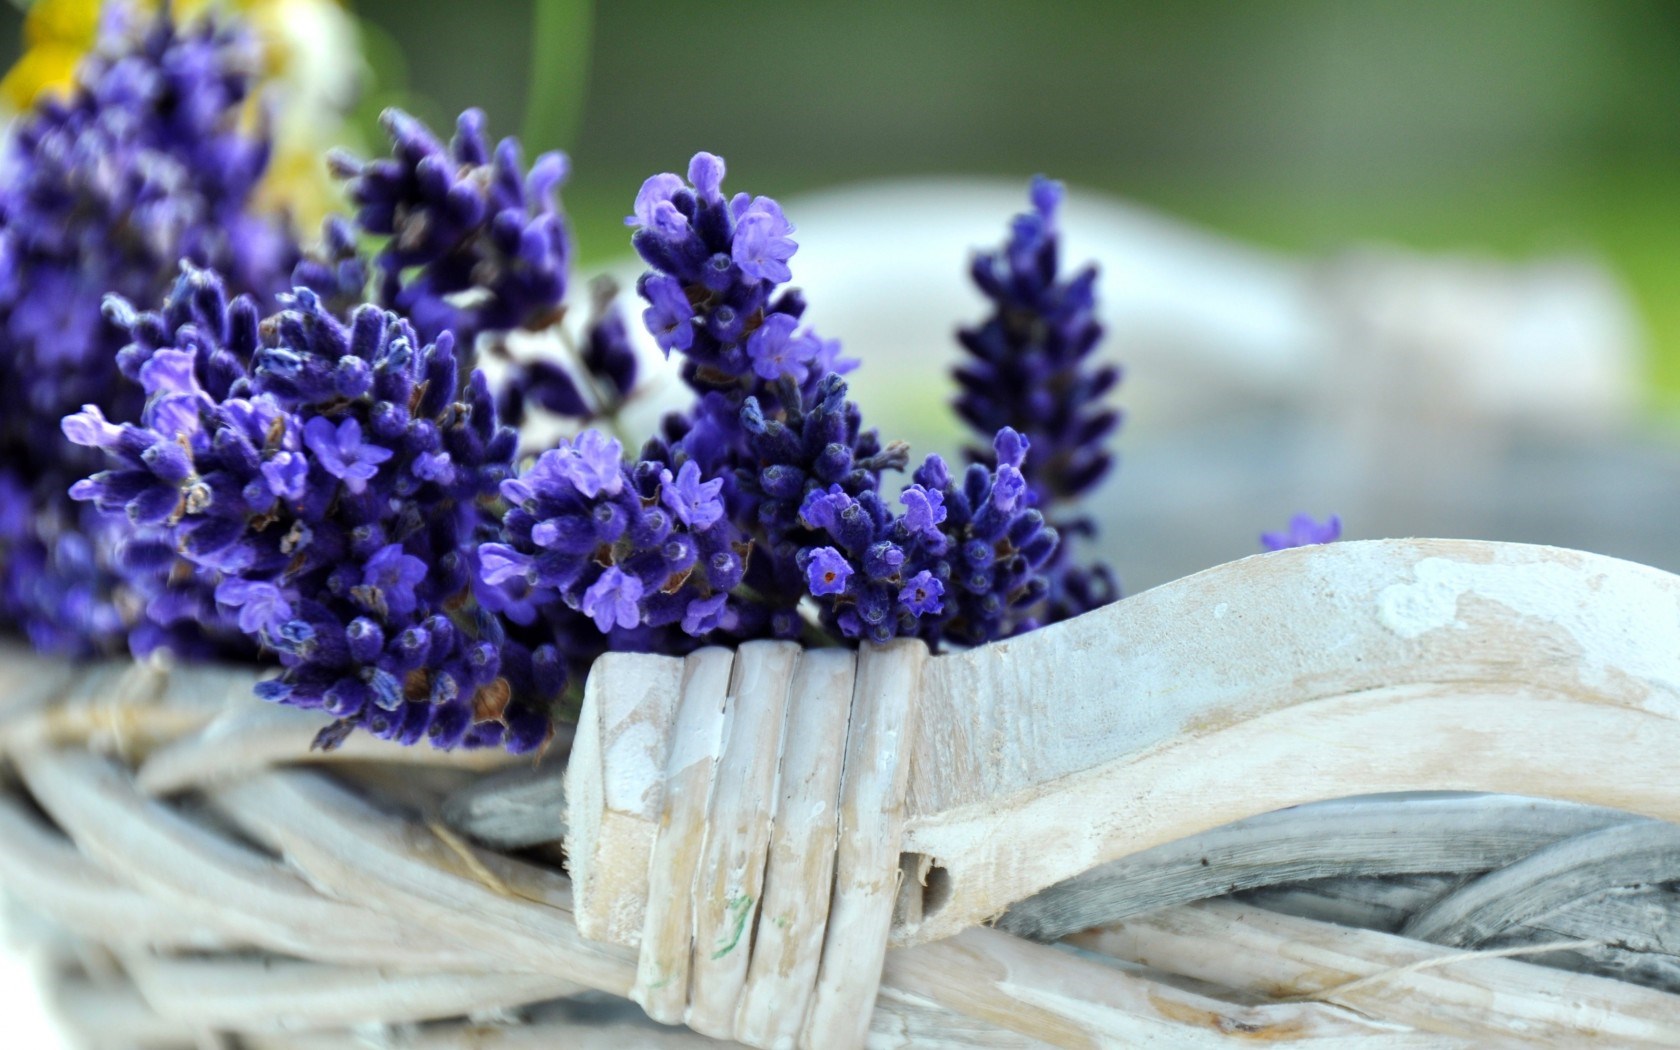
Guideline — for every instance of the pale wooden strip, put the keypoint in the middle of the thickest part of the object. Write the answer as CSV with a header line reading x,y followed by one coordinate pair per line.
x,y
866,866
1646,919
550,1030
800,874
44,870
1374,904
907,1021
666,960
1432,988
114,1017
30,681
218,883
1639,928
1530,741
1633,854
1066,1001
382,862
729,881
1386,835
615,778
907,1027
111,706
245,995
250,734
513,809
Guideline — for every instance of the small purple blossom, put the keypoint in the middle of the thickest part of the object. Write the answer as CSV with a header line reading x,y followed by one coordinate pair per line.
x,y
827,571
924,509
612,599
1304,531
704,615
775,350
705,174
287,473
90,428
822,507
592,463
694,502
656,190
762,244
922,594
262,607
341,452
669,317
499,563
389,580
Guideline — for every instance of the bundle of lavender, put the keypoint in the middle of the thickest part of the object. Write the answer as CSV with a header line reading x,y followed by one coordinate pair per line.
x,y
289,453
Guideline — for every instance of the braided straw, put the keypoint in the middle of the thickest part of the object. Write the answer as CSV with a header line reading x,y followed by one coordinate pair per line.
x,y
201,878
284,897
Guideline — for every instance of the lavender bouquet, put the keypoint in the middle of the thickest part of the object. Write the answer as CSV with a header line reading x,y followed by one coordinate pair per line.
x,y
290,452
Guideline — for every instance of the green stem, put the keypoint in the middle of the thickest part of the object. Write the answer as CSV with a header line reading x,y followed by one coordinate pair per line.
x,y
560,48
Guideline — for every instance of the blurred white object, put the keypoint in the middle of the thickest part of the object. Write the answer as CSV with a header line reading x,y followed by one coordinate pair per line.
x,y
1200,319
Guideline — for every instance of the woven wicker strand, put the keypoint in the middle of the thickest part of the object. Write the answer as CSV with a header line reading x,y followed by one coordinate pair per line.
x,y
202,879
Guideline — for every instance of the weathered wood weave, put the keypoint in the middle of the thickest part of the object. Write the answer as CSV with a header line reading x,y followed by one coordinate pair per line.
x,y
199,878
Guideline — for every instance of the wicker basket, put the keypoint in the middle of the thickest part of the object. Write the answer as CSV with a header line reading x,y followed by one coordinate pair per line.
x,y
1111,793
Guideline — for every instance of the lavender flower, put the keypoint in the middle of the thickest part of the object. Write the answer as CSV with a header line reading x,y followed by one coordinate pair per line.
x,y
826,571
339,450
646,554
961,562
1030,368
462,218
801,476
475,246
1303,531
150,160
714,296
330,480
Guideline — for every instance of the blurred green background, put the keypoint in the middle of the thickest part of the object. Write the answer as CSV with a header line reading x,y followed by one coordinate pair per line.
x,y
1506,127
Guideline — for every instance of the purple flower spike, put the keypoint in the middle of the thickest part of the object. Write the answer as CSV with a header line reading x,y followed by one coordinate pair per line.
x,y
611,601
1033,388
147,160
1303,531
827,571
457,218
342,454
364,591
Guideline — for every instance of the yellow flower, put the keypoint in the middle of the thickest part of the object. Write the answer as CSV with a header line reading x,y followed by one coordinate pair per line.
x,y
56,34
